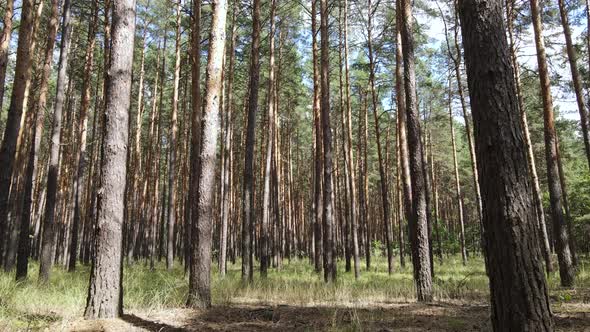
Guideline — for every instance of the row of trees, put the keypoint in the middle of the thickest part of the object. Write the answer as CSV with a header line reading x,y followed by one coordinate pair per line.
x,y
135,162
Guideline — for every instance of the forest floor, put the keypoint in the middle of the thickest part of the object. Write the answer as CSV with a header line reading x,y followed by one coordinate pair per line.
x,y
293,298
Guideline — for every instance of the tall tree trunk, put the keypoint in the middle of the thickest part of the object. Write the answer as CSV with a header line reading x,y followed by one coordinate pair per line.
x,y
566,268
248,191
105,293
457,180
573,62
200,271
5,46
227,146
401,112
349,152
48,242
173,139
195,117
382,171
418,223
82,133
512,250
328,211
264,229
537,198
317,184
18,104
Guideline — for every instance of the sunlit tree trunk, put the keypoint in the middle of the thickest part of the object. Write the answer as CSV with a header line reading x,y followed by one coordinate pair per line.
x,y
418,223
537,198
566,269
18,104
5,38
105,298
48,242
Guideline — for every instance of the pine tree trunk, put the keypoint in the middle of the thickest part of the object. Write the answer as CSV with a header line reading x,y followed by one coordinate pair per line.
x,y
457,180
566,269
52,202
105,298
200,271
512,251
20,86
266,208
328,210
537,198
82,134
576,80
248,190
418,223
5,45
227,152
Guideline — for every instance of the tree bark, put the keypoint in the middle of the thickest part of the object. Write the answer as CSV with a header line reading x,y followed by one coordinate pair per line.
x,y
200,272
418,223
264,230
537,198
328,211
105,293
48,242
566,268
248,190
82,133
512,250
173,139
18,102
5,38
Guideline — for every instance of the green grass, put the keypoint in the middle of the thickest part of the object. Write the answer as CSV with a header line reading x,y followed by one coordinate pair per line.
x,y
27,305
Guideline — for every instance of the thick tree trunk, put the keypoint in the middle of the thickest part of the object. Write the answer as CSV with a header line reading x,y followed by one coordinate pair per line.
x,y
18,102
418,223
513,255
566,268
248,191
105,293
48,242
200,271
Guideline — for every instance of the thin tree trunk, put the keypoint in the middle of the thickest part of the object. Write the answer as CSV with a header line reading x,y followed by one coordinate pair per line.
x,y
173,139
5,46
227,152
82,133
328,211
248,190
537,198
566,269
264,230
576,80
457,180
48,242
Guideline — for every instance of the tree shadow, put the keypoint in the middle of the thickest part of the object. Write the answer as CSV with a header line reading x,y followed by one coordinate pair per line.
x,y
149,325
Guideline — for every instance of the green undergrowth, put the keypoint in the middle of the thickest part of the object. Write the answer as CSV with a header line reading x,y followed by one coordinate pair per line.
x,y
27,305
